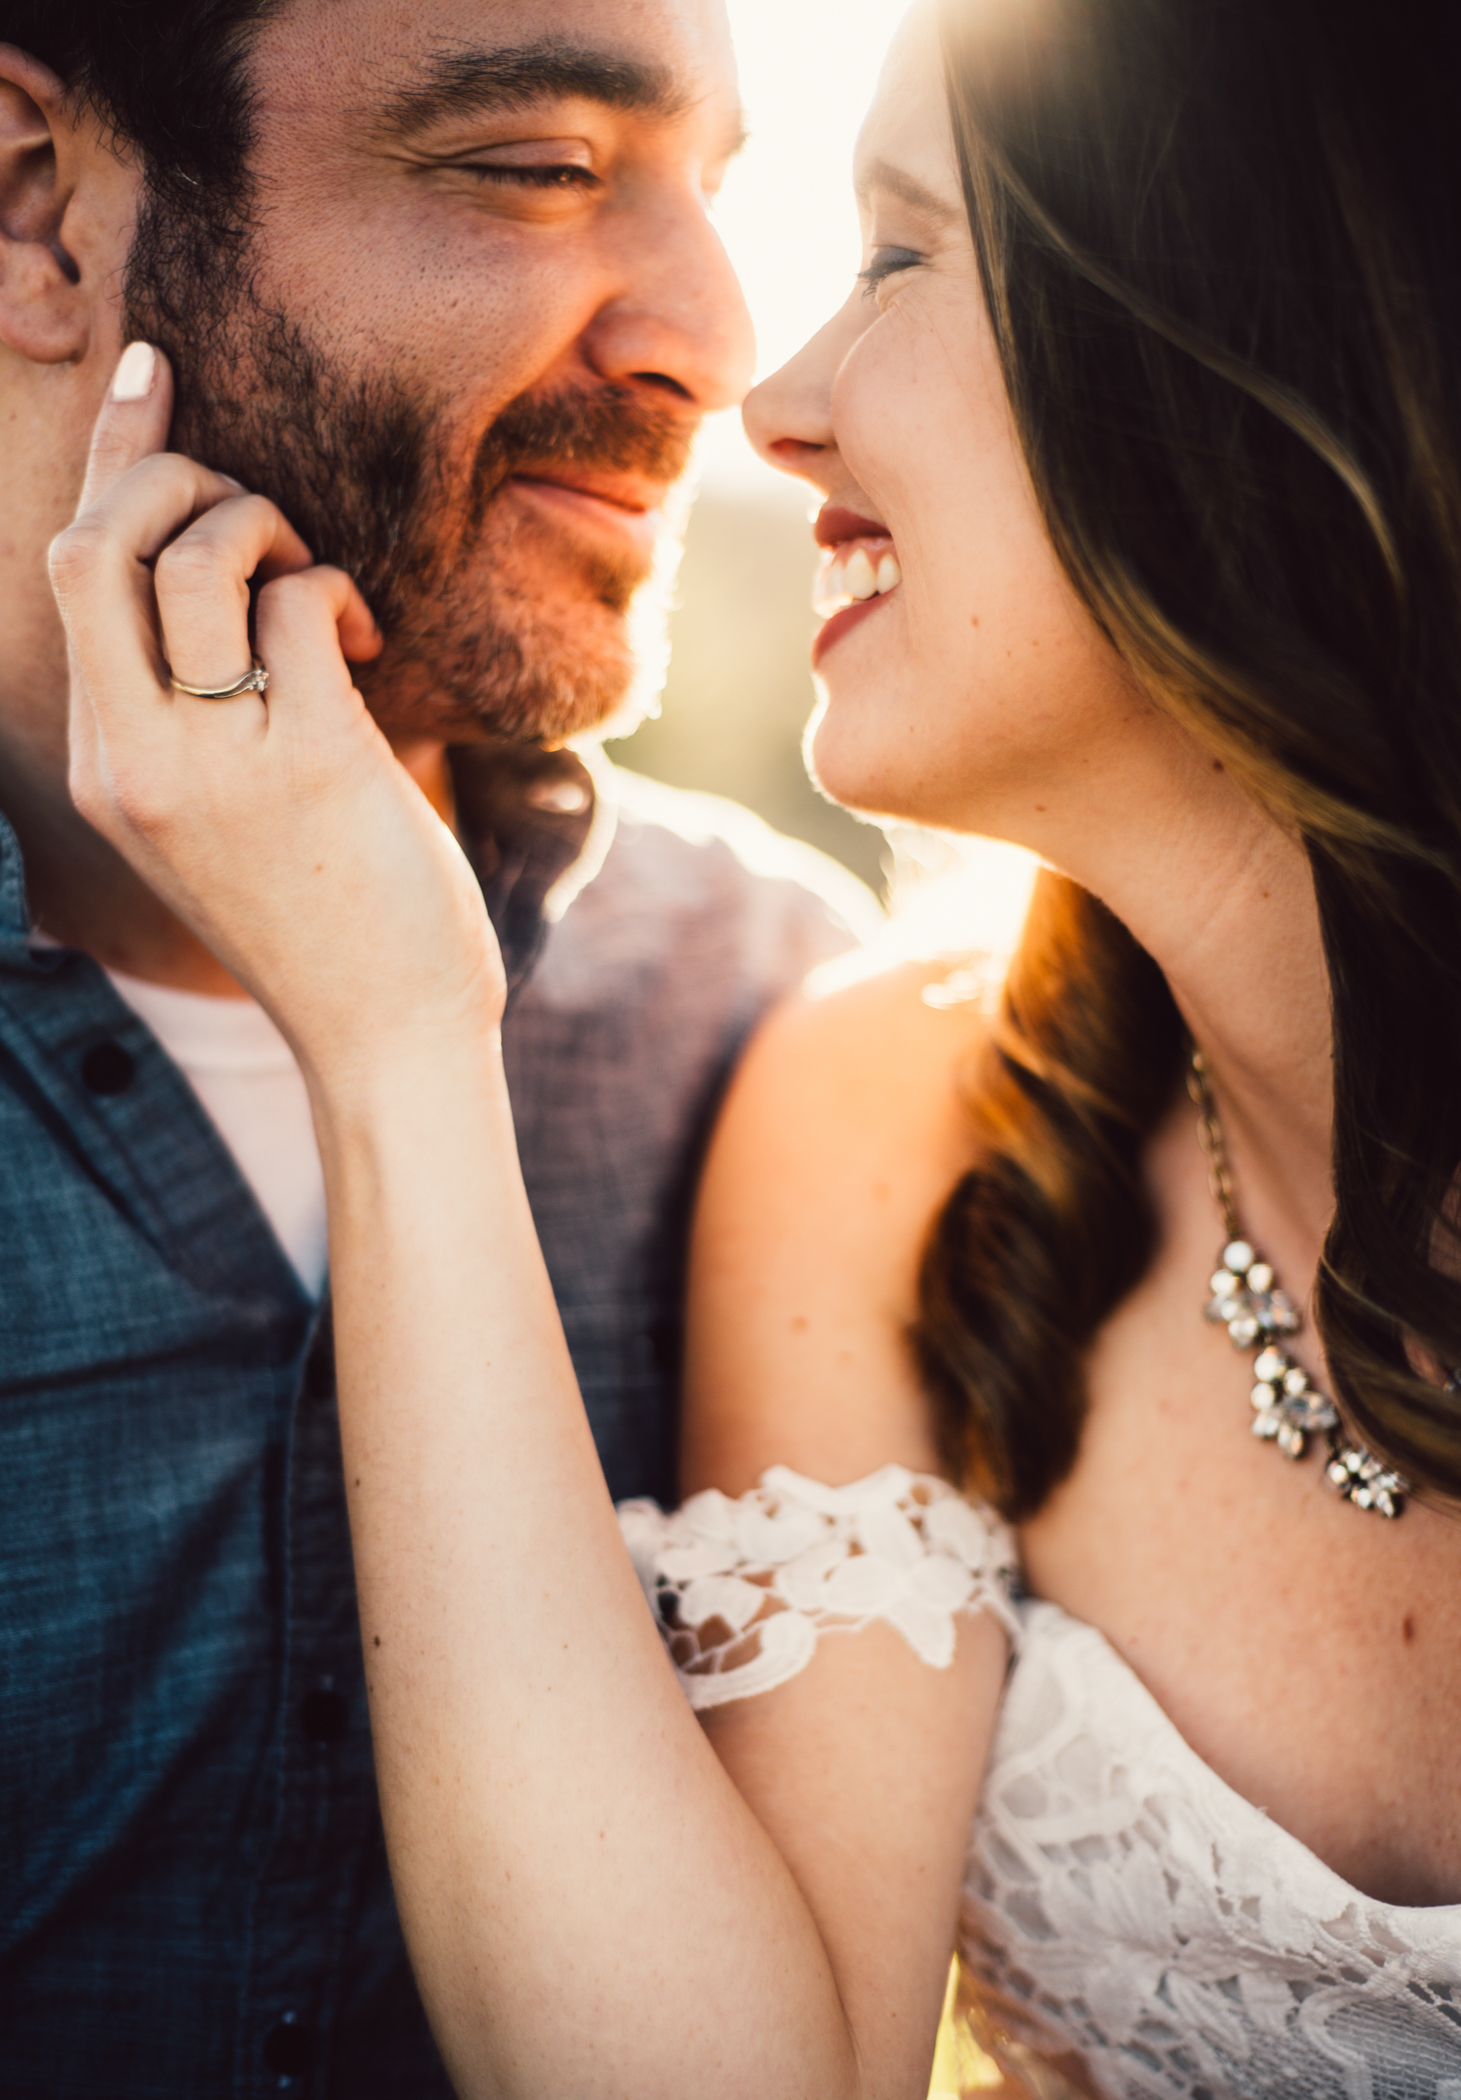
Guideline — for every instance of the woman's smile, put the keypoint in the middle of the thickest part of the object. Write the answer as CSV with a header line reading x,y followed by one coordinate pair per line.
x,y
859,568
991,671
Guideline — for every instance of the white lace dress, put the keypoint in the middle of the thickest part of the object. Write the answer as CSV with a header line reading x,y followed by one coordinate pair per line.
x,y
1120,1901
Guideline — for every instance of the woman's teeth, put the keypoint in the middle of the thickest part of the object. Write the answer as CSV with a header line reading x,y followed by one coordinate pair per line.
x,y
847,578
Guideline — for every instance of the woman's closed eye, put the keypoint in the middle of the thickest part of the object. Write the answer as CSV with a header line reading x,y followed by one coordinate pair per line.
x,y
887,262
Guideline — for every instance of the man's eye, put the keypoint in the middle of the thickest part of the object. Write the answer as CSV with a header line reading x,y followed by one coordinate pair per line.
x,y
564,175
887,262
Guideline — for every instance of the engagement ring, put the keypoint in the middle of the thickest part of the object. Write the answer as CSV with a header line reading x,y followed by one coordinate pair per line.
x,y
254,681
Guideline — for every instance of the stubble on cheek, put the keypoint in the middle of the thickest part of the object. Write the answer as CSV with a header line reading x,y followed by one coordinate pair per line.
x,y
494,624
516,633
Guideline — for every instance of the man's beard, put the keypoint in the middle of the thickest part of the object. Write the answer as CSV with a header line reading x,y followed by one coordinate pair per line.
x,y
493,622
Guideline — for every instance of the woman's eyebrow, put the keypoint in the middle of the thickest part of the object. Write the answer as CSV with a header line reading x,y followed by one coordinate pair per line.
x,y
896,182
481,81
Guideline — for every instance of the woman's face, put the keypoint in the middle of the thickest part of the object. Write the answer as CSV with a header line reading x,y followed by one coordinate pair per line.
x,y
972,691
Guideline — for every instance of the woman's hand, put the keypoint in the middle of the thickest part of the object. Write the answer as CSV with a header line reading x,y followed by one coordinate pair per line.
x,y
279,825
561,1833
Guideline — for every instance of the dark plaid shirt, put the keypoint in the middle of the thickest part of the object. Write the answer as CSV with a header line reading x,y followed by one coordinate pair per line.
x,y
193,1888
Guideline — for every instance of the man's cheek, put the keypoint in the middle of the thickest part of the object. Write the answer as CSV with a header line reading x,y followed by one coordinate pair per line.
x,y
494,327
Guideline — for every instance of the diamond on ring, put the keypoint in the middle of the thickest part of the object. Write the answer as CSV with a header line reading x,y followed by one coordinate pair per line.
x,y
253,681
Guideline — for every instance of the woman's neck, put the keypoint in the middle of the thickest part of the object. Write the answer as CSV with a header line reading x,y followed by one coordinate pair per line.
x,y
1222,897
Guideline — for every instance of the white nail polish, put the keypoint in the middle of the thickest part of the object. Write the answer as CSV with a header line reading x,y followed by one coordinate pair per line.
x,y
132,380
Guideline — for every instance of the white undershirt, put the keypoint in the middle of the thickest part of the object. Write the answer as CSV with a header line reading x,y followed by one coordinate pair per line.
x,y
244,1073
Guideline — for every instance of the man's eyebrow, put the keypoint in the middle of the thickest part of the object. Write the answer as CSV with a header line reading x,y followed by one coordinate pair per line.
x,y
470,82
883,175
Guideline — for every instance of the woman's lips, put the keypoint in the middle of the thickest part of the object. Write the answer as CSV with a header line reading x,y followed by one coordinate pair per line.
x,y
840,623
834,523
859,568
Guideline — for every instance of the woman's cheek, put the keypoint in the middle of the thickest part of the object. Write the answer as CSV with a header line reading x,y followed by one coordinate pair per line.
x,y
885,735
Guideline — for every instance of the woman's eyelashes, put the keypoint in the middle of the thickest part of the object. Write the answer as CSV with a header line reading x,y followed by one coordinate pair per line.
x,y
886,263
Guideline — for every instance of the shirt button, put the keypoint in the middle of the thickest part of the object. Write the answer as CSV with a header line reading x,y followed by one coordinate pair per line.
x,y
324,1715
108,1069
289,2047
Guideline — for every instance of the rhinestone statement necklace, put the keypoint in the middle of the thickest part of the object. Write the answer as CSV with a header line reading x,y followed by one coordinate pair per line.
x,y
1246,1299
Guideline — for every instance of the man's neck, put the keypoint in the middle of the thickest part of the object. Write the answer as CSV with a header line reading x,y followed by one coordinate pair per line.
x,y
84,895
425,760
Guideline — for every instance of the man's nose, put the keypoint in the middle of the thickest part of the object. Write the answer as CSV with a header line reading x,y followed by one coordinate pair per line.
x,y
681,319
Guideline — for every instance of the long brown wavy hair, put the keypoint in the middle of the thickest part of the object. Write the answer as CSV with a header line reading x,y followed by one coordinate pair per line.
x,y
1220,246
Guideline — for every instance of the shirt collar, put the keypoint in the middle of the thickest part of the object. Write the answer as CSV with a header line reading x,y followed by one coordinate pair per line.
x,y
524,816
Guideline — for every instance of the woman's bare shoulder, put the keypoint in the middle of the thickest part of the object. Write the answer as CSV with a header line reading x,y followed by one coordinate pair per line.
x,y
840,1081
842,1134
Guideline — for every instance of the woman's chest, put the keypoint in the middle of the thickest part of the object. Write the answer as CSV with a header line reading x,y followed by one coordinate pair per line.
x,y
1310,1653
1126,1916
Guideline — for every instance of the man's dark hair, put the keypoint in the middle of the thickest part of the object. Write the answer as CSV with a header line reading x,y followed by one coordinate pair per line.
x,y
169,75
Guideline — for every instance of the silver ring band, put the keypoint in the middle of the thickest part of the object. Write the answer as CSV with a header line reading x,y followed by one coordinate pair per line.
x,y
254,681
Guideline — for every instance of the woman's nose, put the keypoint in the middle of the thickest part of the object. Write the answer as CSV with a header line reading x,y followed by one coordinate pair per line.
x,y
788,417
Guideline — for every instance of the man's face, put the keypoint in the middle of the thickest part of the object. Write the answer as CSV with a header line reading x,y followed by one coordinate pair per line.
x,y
470,326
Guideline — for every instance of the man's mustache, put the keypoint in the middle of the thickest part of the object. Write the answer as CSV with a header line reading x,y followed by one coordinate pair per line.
x,y
612,430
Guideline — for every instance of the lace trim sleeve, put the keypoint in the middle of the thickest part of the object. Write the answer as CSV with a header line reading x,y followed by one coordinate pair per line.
x,y
743,1589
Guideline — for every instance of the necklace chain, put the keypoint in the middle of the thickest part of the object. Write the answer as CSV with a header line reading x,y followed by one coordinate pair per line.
x,y
1246,1299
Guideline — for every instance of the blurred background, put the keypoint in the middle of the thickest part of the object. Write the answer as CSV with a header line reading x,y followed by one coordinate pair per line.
x,y
739,689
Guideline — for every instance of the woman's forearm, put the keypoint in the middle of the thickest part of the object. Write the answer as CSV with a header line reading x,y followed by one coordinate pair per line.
x,y
591,1906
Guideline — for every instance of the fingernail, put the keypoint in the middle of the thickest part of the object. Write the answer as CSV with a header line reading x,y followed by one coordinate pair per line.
x,y
132,380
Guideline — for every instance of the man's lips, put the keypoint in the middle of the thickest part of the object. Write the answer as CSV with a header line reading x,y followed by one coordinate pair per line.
x,y
632,492
622,504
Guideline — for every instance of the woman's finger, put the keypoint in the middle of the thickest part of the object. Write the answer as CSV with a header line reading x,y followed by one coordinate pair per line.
x,y
100,564
202,582
133,421
148,509
104,584
308,624
159,497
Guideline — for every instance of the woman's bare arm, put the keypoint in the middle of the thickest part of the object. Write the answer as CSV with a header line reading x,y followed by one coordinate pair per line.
x,y
842,1134
591,1903
560,1833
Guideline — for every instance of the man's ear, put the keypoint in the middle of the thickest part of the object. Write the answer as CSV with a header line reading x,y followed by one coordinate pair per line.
x,y
51,157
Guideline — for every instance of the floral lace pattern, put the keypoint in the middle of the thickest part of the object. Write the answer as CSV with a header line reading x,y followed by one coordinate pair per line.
x,y
1122,1906
745,1588
1122,1903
